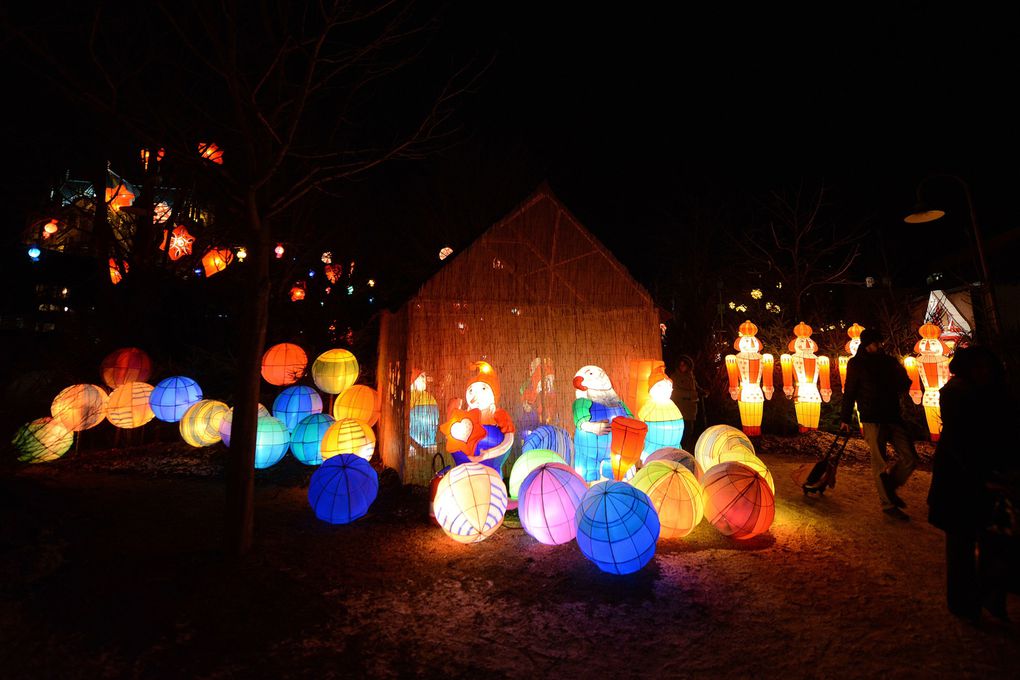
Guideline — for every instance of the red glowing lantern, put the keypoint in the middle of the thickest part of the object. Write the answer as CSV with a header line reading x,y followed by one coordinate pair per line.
x,y
738,500
50,228
116,276
333,272
297,291
179,242
210,152
628,441
284,364
216,260
128,364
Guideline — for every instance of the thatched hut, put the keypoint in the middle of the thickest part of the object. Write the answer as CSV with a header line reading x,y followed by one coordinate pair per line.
x,y
537,297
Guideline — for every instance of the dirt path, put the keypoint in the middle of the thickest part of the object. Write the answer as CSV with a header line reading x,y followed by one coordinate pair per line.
x,y
111,575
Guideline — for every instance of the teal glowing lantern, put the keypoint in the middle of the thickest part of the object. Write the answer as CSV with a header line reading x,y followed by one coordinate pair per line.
x,y
295,403
617,527
271,442
173,396
525,464
343,489
306,439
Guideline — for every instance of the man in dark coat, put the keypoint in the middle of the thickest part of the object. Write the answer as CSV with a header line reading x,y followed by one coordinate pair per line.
x,y
875,381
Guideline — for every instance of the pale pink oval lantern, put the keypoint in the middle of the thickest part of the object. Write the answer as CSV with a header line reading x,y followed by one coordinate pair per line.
x,y
549,498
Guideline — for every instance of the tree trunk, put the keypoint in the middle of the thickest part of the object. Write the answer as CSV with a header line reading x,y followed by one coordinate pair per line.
x,y
241,462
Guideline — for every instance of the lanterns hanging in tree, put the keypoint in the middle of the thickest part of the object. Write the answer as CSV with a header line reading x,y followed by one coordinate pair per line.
x,y
470,502
173,396
295,403
738,501
675,494
550,496
343,489
200,424
216,260
79,407
42,440
335,370
359,402
284,364
617,527
210,152
179,241
125,365
128,406
306,439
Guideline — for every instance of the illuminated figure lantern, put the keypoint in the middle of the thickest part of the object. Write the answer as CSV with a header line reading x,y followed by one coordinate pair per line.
x,y
470,502
306,439
284,364
271,442
486,437
738,501
228,418
343,489
718,441
750,375
595,405
79,407
125,365
525,464
334,371
550,496
200,424
295,403
617,527
359,402
424,411
128,406
932,367
42,440
851,348
664,420
551,438
348,436
675,494
802,372
173,396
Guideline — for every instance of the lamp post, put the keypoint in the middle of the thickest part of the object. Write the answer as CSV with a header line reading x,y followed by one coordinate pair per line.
x,y
921,215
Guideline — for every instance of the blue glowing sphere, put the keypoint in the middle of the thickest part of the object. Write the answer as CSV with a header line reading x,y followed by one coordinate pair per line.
x,y
617,527
34,253
295,403
306,439
551,438
343,488
173,396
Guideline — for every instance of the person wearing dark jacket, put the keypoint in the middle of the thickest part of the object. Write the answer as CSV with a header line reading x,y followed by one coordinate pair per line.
x,y
875,381
972,452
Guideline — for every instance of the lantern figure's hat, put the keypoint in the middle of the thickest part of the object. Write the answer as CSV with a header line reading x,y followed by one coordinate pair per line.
x,y
855,331
802,330
484,372
930,331
657,375
748,328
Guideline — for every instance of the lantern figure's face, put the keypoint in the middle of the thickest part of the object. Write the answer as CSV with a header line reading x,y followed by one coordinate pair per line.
x,y
420,383
805,346
853,346
592,378
480,396
929,346
749,344
661,391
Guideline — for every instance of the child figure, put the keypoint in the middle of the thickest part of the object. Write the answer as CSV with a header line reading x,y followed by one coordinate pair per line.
x,y
746,370
809,370
483,433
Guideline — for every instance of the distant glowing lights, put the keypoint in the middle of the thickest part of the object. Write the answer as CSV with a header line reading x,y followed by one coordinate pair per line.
x,y
242,253
279,250
445,253
34,253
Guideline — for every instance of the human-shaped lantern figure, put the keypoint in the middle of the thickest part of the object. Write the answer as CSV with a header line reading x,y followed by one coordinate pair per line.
x,y
483,433
748,370
851,348
423,415
664,420
932,367
802,372
595,405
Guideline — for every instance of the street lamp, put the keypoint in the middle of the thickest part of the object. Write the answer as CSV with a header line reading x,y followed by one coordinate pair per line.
x,y
922,214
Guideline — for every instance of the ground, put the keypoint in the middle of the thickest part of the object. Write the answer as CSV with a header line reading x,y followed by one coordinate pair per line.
x,y
110,567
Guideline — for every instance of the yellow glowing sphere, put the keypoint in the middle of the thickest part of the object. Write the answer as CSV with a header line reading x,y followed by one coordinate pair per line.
x,y
741,455
128,406
675,495
348,436
79,407
358,402
200,424
718,440
335,370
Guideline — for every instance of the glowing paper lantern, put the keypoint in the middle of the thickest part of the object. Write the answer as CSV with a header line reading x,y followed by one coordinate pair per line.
x,y
179,241
42,440
211,152
596,403
128,406
200,424
271,442
746,370
551,438
675,494
348,436
851,348
295,403
125,365
802,371
617,527
740,455
216,260
284,364
627,443
335,370
359,402
79,407
664,420
470,502
343,489
677,456
717,440
932,368
738,501
525,464
306,439
228,419
173,396
550,496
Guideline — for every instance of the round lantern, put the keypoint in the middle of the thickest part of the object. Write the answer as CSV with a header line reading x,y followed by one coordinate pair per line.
x,y
677,456
271,442
125,365
335,370
675,494
738,501
79,407
42,440
551,438
306,438
740,455
550,496
525,464
343,489
284,364
173,396
200,424
717,440
617,527
470,502
295,403
358,402
228,419
348,436
128,406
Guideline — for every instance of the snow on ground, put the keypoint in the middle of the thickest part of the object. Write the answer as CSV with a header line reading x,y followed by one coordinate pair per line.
x,y
112,569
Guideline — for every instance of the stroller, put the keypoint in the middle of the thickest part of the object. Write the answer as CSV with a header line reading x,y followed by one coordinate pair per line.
x,y
815,478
